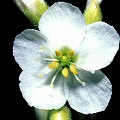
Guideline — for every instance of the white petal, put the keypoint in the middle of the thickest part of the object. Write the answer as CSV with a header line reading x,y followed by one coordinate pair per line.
x,y
64,25
92,98
38,92
99,47
27,47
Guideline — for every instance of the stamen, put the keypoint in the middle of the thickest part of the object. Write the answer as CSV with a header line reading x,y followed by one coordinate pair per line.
x,y
54,65
73,69
44,72
40,75
37,60
42,48
65,72
49,59
53,79
78,79
58,53
70,53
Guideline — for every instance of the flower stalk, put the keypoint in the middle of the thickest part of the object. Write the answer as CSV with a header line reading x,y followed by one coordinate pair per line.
x,y
41,114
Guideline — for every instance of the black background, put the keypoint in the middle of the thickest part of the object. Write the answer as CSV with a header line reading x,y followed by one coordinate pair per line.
x,y
14,22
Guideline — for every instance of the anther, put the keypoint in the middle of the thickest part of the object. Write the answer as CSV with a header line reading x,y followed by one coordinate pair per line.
x,y
58,53
65,72
70,53
40,75
54,65
73,69
42,48
53,79
52,85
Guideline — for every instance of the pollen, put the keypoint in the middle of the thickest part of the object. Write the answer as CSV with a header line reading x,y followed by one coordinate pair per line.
x,y
52,85
65,72
58,53
40,75
73,69
42,48
54,65
70,53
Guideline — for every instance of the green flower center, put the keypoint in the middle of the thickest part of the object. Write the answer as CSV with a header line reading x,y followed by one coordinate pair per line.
x,y
66,59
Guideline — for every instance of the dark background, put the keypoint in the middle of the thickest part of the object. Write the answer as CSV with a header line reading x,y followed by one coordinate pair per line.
x,y
14,22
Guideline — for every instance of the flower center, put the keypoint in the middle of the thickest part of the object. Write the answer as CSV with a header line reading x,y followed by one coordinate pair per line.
x,y
65,60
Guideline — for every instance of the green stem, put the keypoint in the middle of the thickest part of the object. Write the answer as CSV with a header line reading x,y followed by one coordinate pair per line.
x,y
41,114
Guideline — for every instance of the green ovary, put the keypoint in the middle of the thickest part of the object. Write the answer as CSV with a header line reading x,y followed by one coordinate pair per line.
x,y
65,60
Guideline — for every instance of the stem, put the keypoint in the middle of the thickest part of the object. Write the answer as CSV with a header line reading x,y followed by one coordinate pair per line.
x,y
41,114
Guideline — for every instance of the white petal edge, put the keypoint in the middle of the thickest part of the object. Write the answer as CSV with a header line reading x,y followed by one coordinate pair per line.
x,y
99,47
38,92
27,47
64,25
92,98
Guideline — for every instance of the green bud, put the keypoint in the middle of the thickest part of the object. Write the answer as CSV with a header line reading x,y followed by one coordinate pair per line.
x,y
32,9
92,11
60,114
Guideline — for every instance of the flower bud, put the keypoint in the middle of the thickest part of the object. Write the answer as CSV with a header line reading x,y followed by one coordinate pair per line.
x,y
33,9
60,114
92,11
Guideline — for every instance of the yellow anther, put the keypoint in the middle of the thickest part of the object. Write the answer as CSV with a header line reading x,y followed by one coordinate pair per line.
x,y
54,65
70,53
40,75
42,48
58,53
65,72
73,69
52,85
37,60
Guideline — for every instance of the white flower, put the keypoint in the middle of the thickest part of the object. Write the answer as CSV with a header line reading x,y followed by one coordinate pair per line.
x,y
61,61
